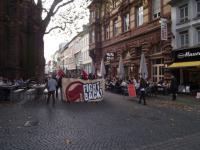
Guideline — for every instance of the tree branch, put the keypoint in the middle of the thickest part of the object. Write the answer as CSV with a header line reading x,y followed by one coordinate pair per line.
x,y
45,10
62,6
56,27
51,13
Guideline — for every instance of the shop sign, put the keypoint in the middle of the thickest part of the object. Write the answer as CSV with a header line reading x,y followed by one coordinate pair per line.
x,y
163,25
187,55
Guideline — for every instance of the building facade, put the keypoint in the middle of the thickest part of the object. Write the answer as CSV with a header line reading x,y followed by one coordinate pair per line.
x,y
86,60
129,28
20,55
186,42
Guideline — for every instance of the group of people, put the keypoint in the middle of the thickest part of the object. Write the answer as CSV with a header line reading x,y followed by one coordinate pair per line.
x,y
142,87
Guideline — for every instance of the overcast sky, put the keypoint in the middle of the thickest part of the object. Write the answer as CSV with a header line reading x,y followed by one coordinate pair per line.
x,y
52,40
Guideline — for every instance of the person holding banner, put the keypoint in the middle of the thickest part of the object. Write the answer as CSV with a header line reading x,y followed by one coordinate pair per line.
x,y
142,88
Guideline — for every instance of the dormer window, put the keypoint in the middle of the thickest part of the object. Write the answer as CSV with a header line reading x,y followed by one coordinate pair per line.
x,y
183,13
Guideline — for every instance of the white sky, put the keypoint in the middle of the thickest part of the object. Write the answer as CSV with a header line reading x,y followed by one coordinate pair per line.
x,y
52,40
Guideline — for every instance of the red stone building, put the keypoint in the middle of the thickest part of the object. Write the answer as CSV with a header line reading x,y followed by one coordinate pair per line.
x,y
19,41
130,28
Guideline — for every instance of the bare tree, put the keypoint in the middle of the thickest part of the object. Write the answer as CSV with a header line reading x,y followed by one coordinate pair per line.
x,y
59,14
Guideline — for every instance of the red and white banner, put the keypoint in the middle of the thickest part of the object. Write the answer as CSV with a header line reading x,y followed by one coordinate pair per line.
x,y
76,90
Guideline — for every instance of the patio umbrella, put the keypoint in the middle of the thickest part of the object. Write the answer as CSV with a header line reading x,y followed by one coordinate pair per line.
x,y
102,69
143,72
121,69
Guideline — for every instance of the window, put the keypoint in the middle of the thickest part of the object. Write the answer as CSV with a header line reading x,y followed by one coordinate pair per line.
x,y
198,35
183,13
198,8
92,15
139,13
156,9
93,35
125,22
157,70
107,32
184,38
115,27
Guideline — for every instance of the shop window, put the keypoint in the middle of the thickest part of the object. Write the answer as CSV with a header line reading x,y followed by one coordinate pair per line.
x,y
125,22
139,14
184,38
115,27
156,9
183,13
157,70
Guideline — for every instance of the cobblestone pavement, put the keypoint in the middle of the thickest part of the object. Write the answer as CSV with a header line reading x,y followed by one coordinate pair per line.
x,y
117,123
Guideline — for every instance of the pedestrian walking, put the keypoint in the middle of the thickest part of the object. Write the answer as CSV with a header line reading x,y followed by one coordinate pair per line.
x,y
51,87
142,88
173,87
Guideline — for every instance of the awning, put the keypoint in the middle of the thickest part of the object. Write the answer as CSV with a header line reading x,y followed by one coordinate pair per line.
x,y
184,64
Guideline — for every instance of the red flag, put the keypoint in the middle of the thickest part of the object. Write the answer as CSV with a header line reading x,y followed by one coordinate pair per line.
x,y
60,73
84,74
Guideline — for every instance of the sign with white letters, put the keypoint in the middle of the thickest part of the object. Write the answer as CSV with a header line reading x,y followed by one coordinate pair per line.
x,y
163,25
76,90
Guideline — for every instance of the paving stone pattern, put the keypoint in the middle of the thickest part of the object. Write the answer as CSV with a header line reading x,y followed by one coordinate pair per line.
x,y
117,123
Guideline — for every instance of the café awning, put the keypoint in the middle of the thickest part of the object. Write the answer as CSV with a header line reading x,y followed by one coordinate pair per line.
x,y
185,64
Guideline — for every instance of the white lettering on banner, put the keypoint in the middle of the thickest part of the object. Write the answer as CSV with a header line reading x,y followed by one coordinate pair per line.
x,y
163,27
188,54
92,91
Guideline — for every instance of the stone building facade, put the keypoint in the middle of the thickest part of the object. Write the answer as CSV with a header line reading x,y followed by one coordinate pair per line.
x,y
129,28
19,52
186,43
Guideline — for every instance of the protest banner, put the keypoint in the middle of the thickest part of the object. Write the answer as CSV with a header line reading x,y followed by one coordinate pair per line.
x,y
76,90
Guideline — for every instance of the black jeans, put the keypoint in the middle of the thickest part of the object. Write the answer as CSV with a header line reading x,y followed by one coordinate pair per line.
x,y
173,95
142,96
51,93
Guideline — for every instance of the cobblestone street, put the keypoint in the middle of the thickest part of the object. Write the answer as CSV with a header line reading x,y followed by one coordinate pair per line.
x,y
117,123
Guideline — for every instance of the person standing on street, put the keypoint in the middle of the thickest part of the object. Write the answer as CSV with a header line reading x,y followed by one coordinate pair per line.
x,y
142,88
173,87
51,87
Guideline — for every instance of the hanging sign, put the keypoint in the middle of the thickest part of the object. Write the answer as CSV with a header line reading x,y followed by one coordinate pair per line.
x,y
164,33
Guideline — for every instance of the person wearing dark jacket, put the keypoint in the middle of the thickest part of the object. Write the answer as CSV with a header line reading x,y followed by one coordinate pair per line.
x,y
173,87
142,88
